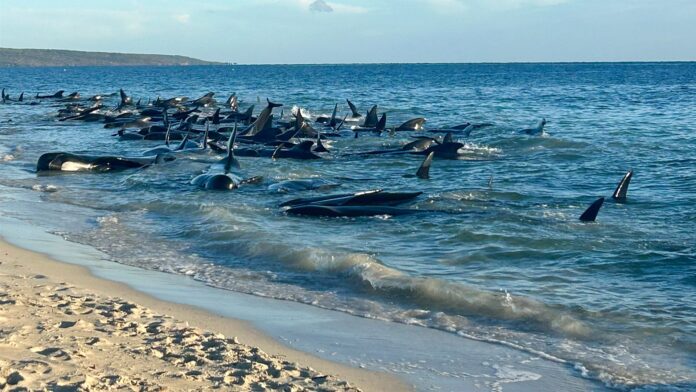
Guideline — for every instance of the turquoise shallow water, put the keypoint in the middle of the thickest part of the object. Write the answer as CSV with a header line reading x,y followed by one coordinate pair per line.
x,y
508,263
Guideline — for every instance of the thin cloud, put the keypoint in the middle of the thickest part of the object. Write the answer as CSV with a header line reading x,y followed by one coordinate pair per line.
x,y
512,4
320,6
182,18
348,9
330,7
450,6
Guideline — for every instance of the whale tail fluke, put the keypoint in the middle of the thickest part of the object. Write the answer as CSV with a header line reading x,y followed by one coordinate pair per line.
x,y
467,130
424,169
591,212
273,104
622,189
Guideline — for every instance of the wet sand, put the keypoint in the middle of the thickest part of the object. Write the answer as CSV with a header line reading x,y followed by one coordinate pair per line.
x,y
62,328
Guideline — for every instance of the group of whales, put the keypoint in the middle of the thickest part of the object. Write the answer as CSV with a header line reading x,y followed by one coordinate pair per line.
x,y
189,121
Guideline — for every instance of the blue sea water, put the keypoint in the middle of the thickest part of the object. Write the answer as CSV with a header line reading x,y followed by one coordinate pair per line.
x,y
508,263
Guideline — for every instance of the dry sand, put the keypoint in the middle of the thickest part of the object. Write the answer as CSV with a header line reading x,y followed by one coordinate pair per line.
x,y
63,329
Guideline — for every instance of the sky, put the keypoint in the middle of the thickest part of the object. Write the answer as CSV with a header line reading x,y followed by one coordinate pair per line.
x,y
360,31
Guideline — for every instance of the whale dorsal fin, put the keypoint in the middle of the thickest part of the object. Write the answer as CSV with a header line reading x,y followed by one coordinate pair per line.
x,y
332,121
124,97
260,123
424,169
448,138
167,134
233,102
275,152
230,159
591,212
338,128
371,118
205,136
353,108
299,120
249,112
182,145
216,117
382,123
320,146
622,189
165,117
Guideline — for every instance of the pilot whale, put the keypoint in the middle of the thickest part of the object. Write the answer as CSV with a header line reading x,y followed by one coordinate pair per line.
x,y
538,130
219,176
373,197
68,162
349,211
57,94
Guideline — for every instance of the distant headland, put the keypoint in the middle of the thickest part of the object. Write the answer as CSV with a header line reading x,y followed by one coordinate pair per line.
x,y
73,58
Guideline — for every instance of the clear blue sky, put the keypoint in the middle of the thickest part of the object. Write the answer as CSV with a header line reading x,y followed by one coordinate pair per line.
x,y
348,31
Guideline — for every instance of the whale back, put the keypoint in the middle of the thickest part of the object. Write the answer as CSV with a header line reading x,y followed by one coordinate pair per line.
x,y
414,124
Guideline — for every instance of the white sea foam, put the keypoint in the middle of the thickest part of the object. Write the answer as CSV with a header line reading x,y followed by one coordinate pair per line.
x,y
44,188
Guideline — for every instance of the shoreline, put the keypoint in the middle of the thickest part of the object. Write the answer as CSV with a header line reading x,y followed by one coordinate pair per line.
x,y
23,271
370,354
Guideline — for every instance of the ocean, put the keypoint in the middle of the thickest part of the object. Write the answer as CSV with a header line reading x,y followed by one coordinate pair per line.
x,y
497,252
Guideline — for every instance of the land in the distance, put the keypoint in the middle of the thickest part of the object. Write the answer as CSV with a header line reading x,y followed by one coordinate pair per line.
x,y
73,58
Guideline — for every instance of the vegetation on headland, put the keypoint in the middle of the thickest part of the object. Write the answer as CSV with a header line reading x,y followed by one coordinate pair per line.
x,y
73,58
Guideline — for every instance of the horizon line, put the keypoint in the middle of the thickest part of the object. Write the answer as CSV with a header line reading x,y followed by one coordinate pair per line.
x,y
482,62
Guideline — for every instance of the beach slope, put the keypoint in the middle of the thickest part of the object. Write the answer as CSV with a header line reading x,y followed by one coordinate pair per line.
x,y
61,328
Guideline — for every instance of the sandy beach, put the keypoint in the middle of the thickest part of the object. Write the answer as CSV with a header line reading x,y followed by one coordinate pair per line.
x,y
64,329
